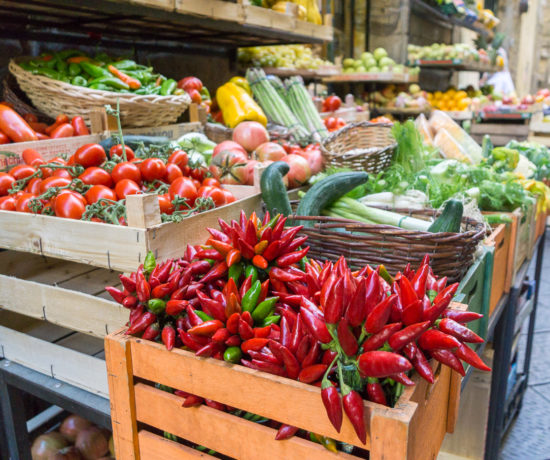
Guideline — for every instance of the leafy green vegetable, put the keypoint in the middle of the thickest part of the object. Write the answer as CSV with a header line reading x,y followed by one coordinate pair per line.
x,y
537,154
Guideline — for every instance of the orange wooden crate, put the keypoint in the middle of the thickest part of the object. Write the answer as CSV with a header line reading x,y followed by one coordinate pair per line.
x,y
500,239
413,429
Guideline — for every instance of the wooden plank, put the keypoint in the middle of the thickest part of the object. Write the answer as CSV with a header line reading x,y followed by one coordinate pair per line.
x,y
122,398
216,9
505,129
170,131
143,211
92,282
82,343
265,17
163,411
64,364
153,447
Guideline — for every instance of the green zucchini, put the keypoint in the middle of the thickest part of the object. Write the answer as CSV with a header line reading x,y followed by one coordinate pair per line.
x,y
134,141
328,190
449,220
273,189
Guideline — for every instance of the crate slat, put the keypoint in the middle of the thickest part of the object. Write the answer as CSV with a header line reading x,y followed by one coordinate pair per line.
x,y
153,447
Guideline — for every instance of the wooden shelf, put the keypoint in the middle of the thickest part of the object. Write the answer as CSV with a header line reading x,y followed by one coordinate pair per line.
x,y
401,111
382,78
307,74
455,65
208,25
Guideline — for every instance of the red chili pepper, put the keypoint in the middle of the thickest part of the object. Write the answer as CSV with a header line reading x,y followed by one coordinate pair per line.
x,y
419,280
233,341
152,332
434,339
410,350
466,354
206,328
333,404
232,306
413,313
292,366
278,228
128,283
211,307
403,379
143,290
303,349
440,284
153,281
315,325
136,313
287,312
264,366
129,301
298,288
267,235
288,236
192,401
219,235
233,323
408,295
285,276
375,392
354,408
347,340
312,373
259,261
250,233
233,257
408,272
329,356
379,315
221,247
286,432
459,331
116,294
326,289
254,344
406,335
199,267
437,308
297,333
247,251
422,366
448,358
164,270
210,254
208,350
291,258
142,323
221,335
229,288
216,405
375,341
450,290
295,244
334,307
217,271
264,356
325,272
348,290
372,295
382,363
246,316
272,250
245,331
312,356
286,335
168,336
175,307
162,290
193,317
462,316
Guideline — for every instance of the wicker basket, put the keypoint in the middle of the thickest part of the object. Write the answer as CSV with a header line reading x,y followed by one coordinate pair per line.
x,y
372,143
13,94
54,97
451,254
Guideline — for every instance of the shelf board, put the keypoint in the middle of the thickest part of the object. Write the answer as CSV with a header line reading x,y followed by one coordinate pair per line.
x,y
504,115
210,24
457,65
382,78
399,111
306,74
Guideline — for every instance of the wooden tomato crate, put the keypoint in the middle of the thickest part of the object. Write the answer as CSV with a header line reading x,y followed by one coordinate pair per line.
x,y
500,241
413,429
117,247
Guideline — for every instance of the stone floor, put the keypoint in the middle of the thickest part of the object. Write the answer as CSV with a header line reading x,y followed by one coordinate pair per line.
x,y
529,436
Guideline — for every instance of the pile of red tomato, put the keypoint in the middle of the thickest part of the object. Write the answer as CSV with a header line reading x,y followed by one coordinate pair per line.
x,y
334,123
66,188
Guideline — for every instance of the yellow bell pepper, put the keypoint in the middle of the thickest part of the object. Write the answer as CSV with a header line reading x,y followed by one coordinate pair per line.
x,y
238,106
243,83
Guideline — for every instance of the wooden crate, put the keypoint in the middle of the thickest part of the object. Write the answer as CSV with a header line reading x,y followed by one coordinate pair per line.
x,y
525,232
501,133
116,247
413,429
500,241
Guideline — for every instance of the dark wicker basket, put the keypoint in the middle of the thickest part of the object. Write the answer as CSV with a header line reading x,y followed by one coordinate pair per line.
x,y
372,144
17,98
451,254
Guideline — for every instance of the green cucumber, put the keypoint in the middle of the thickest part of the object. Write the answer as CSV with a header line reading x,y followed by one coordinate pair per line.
x,y
449,220
327,191
273,189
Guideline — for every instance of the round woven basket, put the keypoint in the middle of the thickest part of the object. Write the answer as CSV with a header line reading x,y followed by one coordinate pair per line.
x,y
360,146
13,94
54,97
451,254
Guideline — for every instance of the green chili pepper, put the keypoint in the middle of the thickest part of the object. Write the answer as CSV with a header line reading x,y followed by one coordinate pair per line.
x,y
273,319
74,69
94,70
168,87
125,64
111,81
251,297
264,309
210,261
27,65
149,263
66,54
61,66
100,86
205,94
157,306
51,64
202,315
103,57
251,270
154,90
235,272
232,354
50,73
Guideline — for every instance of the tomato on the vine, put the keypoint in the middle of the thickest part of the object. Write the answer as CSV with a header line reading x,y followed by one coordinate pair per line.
x,y
90,155
173,172
211,181
198,174
184,188
70,205
153,169
165,204
116,150
7,203
34,186
126,187
62,173
53,182
229,197
96,176
6,182
22,171
22,203
126,170
98,192
180,158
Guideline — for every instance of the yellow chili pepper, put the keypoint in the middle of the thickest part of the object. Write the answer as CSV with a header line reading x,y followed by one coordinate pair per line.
x,y
237,106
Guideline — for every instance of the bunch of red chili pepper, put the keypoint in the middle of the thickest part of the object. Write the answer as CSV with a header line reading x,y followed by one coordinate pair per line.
x,y
251,296
92,185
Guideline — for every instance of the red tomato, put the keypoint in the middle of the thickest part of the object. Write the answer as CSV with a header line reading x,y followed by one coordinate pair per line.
x,y
62,173
62,130
195,96
126,187
58,160
189,83
165,204
98,192
184,188
217,195
198,174
22,203
153,169
229,197
96,176
90,155
173,172
7,203
22,171
70,205
330,123
6,181
32,157
211,181
34,186
126,170
332,103
116,150
180,158
197,183
53,182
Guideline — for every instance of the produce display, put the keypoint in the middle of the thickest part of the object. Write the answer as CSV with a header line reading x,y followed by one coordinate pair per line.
x,y
400,97
75,439
376,62
450,100
284,56
459,53
469,10
17,128
307,10
250,296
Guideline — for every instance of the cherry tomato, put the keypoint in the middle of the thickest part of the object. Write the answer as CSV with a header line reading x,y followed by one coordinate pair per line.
x,y
179,157
332,103
97,219
184,188
7,203
34,186
53,182
173,172
98,192
330,123
126,170
6,181
62,173
197,183
32,157
22,171
69,205
198,174
58,160
229,197
165,204
217,195
96,176
116,150
22,203
211,181
153,169
126,187
90,155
